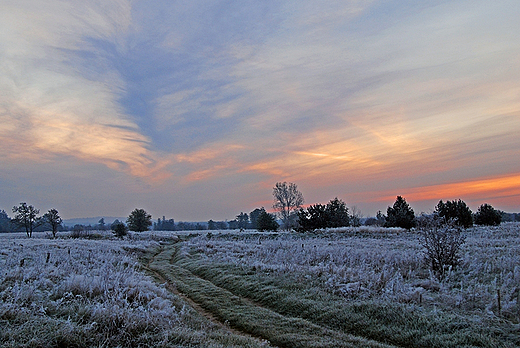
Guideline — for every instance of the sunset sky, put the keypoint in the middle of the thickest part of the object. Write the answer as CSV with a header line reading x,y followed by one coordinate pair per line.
x,y
195,109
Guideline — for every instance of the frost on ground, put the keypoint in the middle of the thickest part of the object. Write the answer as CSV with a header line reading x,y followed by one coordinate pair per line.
x,y
79,292
74,292
387,264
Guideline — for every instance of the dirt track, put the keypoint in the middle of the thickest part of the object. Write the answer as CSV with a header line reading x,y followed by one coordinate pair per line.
x,y
241,315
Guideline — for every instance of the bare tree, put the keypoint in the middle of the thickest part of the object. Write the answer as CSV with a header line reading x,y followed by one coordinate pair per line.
x,y
355,216
287,200
26,216
53,219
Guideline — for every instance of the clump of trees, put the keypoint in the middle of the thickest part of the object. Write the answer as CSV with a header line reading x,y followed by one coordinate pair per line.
x,y
288,201
317,216
456,211
5,222
487,215
164,225
26,216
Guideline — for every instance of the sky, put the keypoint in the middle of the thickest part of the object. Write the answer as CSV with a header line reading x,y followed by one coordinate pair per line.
x,y
195,109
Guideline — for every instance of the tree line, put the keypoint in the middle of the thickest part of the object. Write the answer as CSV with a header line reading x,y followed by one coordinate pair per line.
x,y
288,202
289,214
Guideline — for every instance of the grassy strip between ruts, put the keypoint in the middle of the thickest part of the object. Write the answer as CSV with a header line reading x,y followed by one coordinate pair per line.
x,y
242,314
296,315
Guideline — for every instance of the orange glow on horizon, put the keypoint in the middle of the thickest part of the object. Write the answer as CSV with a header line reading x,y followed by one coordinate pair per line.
x,y
490,187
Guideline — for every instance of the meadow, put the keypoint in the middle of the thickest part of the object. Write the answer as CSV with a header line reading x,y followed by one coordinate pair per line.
x,y
94,293
349,287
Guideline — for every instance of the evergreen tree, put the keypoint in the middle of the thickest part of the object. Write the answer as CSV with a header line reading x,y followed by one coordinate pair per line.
x,y
119,229
400,215
101,224
266,222
253,216
337,213
139,220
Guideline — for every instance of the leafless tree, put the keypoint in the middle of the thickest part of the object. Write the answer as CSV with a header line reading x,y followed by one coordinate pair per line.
x,y
355,216
287,199
53,219
26,216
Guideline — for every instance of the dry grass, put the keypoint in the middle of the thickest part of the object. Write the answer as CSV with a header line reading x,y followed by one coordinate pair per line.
x,y
381,275
367,284
76,293
378,263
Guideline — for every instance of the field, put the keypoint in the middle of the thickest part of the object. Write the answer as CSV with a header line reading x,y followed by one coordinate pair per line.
x,y
355,287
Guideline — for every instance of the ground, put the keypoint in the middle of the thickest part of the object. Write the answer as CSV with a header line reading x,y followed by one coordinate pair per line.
x,y
356,287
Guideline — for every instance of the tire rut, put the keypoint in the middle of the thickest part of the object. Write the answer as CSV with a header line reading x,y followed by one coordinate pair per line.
x,y
311,329
196,306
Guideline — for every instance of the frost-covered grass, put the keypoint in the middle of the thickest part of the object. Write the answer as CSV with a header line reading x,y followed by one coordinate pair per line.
x,y
379,269
375,263
77,292
368,282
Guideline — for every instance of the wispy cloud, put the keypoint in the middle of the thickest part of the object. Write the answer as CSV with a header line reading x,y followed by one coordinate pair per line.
x,y
357,99
51,105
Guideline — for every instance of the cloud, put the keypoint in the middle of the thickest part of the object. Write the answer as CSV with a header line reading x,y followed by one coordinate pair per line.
x,y
351,98
410,101
52,106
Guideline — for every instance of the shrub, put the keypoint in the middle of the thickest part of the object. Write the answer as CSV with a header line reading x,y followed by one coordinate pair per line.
x,y
119,229
487,215
442,240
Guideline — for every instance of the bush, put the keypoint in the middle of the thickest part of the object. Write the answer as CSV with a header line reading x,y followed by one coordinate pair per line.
x,y
119,229
487,215
442,240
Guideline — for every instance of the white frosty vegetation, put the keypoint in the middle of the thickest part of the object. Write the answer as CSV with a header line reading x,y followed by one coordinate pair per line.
x,y
75,292
78,281
388,264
